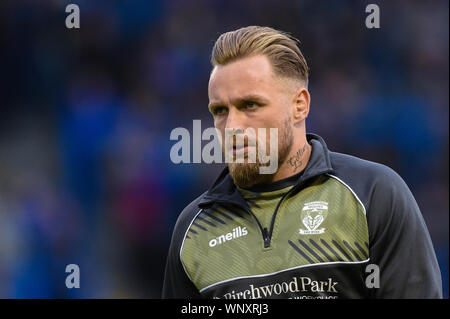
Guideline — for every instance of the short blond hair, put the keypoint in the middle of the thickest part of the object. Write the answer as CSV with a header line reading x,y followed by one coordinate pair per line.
x,y
280,48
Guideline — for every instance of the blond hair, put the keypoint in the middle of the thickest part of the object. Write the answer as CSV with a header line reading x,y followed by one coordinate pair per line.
x,y
279,47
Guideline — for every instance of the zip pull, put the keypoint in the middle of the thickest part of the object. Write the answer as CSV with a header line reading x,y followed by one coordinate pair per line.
x,y
266,238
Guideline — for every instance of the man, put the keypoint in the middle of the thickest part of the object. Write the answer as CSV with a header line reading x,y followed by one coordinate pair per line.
x,y
324,225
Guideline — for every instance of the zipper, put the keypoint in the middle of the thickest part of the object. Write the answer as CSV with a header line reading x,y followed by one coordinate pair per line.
x,y
264,231
266,234
268,240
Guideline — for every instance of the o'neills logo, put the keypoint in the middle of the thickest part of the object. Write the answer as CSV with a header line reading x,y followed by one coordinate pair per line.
x,y
236,233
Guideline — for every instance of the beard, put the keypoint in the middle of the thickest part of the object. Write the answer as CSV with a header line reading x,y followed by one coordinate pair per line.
x,y
247,174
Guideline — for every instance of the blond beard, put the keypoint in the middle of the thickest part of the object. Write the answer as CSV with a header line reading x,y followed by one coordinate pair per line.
x,y
247,174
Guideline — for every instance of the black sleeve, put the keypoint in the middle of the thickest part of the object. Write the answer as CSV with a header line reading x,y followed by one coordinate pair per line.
x,y
399,242
177,284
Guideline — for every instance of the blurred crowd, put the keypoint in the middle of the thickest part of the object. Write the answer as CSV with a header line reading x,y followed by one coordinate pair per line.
x,y
85,171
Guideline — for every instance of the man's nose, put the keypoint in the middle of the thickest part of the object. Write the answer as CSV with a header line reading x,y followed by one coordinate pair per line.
x,y
235,120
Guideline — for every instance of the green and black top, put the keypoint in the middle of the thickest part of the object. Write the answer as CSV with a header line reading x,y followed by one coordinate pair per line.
x,y
311,235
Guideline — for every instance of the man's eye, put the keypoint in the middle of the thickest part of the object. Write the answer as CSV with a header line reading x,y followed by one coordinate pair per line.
x,y
251,105
219,110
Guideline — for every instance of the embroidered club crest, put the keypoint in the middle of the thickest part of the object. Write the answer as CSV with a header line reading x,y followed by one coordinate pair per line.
x,y
312,216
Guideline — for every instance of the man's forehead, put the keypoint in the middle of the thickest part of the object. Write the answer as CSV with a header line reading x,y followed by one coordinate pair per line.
x,y
239,77
252,68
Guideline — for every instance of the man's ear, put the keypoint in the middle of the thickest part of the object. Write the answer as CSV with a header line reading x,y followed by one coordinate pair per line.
x,y
300,105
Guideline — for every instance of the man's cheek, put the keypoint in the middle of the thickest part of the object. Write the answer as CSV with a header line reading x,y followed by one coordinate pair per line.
x,y
221,135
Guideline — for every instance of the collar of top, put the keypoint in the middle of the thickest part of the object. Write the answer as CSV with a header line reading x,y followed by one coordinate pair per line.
x,y
225,191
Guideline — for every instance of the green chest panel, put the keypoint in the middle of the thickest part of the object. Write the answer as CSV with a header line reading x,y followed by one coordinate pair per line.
x,y
324,223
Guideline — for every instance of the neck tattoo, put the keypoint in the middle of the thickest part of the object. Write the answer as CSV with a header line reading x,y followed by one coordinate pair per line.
x,y
296,160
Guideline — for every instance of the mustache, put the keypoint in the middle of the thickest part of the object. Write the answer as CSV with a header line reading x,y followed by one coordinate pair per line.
x,y
241,141
245,138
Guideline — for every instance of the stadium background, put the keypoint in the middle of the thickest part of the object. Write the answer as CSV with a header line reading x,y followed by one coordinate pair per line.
x,y
85,173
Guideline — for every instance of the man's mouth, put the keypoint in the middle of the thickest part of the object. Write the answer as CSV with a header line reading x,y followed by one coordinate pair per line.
x,y
240,150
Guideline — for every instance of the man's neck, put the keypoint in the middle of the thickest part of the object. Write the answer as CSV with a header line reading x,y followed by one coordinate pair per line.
x,y
295,162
